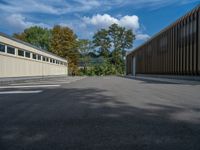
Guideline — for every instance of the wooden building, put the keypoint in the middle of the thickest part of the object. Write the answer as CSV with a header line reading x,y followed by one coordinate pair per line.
x,y
173,51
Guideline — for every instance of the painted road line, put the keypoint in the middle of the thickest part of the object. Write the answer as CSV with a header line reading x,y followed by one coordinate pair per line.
x,y
37,83
20,92
28,86
60,81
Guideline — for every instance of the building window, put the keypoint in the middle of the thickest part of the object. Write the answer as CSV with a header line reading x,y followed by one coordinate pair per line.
x,y
2,48
20,53
34,56
43,58
10,50
39,57
53,60
27,54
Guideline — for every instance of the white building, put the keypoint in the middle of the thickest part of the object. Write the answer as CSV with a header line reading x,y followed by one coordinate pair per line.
x,y
20,59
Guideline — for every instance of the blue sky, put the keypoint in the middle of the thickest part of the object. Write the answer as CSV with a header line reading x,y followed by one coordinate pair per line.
x,y
144,17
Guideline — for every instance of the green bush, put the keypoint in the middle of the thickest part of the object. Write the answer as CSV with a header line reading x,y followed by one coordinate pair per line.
x,y
103,69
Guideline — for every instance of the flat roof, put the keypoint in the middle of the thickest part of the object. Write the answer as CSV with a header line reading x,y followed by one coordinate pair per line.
x,y
165,29
30,45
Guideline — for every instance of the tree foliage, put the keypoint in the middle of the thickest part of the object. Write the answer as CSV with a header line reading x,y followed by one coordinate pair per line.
x,y
64,44
112,44
37,36
104,55
59,40
102,41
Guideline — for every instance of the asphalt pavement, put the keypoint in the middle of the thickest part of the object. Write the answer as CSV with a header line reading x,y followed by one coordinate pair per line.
x,y
100,113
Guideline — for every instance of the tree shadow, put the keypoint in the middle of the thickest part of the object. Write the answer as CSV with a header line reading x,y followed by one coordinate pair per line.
x,y
89,118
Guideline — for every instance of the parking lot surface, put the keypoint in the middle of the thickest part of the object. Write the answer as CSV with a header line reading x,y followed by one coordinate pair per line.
x,y
100,113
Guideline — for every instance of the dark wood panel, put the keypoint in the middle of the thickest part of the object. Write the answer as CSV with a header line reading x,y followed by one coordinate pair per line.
x,y
175,51
198,52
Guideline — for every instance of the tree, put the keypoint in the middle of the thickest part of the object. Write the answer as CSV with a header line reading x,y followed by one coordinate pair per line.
x,y
85,48
40,37
122,39
64,44
102,41
113,42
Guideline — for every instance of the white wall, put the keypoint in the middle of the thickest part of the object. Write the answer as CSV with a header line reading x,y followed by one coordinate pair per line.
x,y
17,66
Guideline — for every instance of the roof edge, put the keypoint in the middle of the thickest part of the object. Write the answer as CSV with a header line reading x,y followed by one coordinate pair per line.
x,y
166,28
30,45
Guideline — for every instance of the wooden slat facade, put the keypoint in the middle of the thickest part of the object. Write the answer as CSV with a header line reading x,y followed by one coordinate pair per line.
x,y
173,51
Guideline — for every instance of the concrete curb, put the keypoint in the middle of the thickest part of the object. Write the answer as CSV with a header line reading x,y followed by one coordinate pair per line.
x,y
6,81
167,79
189,78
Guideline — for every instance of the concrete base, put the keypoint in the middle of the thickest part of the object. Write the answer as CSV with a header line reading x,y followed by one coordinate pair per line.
x,y
6,81
191,78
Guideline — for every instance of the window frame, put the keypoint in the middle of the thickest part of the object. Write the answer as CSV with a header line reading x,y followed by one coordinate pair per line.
x,y
8,46
25,54
39,57
34,56
1,44
20,50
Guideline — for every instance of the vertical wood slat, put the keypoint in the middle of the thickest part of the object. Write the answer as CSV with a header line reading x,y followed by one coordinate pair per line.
x,y
181,55
173,61
187,46
177,47
184,46
191,47
163,55
176,51
167,53
194,43
180,49
198,52
170,56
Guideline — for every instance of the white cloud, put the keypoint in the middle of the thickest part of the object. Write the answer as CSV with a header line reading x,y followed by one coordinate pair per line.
x,y
14,12
131,22
101,20
56,7
19,22
59,7
143,37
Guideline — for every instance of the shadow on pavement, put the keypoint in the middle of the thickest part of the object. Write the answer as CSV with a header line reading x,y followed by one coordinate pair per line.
x,y
90,119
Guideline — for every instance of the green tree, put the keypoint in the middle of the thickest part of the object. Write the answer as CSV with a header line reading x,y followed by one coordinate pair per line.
x,y
40,37
122,39
102,41
114,42
85,48
64,44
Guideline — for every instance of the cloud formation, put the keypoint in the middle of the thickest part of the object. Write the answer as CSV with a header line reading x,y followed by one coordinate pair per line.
x,y
20,22
131,22
58,7
105,20
19,14
143,37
